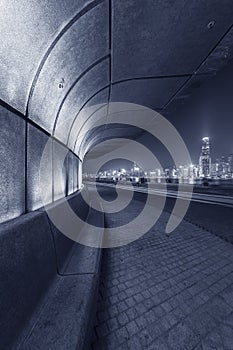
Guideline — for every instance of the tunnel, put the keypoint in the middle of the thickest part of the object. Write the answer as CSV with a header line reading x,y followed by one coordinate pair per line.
x,y
84,82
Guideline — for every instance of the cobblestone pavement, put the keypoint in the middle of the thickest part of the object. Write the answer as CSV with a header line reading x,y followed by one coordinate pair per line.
x,y
163,292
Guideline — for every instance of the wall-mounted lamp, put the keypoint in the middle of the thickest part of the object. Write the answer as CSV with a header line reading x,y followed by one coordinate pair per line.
x,y
210,24
61,83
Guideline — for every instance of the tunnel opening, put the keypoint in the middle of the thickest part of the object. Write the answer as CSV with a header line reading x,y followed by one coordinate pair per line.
x,y
86,82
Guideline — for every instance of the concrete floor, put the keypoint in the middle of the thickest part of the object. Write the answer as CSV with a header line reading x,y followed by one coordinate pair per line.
x,y
163,292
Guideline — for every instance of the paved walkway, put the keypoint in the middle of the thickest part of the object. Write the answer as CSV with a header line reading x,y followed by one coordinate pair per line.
x,y
164,292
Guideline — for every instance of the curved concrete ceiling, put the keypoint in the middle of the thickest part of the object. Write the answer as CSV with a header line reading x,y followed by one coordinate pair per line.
x,y
59,58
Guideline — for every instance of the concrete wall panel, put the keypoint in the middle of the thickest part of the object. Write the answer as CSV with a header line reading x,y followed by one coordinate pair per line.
x,y
81,46
27,29
86,115
165,37
95,79
36,143
12,165
60,181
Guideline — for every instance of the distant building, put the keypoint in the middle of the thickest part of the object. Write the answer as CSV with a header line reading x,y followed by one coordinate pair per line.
x,y
214,169
193,171
174,173
205,159
183,172
223,167
230,162
167,172
156,173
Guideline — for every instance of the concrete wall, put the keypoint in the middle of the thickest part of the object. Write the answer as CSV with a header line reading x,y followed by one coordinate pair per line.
x,y
21,146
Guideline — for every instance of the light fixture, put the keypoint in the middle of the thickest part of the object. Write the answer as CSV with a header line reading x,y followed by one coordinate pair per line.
x,y
61,83
210,24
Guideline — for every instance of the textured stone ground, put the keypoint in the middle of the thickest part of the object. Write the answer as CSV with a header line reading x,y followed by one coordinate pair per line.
x,y
164,292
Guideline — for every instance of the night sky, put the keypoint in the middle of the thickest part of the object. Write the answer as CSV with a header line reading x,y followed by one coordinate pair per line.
x,y
117,164
209,113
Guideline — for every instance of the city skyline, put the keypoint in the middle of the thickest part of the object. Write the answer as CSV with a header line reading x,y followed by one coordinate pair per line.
x,y
205,167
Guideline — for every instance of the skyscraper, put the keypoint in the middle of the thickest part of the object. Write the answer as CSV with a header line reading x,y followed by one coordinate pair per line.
x,y
205,160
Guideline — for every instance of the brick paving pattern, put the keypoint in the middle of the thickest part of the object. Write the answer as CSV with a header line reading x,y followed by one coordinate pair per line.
x,y
167,292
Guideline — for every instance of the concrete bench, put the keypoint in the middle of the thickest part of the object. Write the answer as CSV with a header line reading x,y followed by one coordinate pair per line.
x,y
43,306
